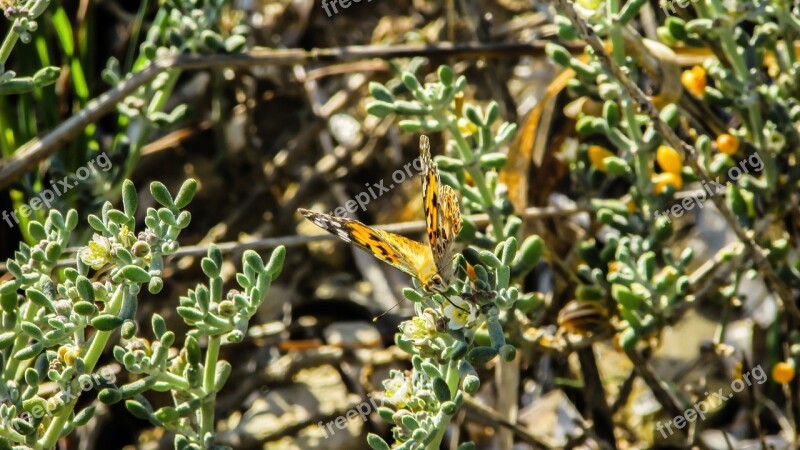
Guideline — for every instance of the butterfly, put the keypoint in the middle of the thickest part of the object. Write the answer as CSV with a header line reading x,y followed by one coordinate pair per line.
x,y
430,264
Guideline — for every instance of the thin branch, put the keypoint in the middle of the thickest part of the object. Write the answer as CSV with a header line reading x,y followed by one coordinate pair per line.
x,y
595,395
34,151
415,227
494,417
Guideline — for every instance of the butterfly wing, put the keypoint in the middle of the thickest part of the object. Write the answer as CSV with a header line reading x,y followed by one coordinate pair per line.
x,y
398,251
442,215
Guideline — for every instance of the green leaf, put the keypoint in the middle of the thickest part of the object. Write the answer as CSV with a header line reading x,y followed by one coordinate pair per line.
x,y
138,410
386,414
130,199
558,54
191,314
411,82
441,390
39,299
106,322
275,264
186,193
85,289
235,44
159,325
135,274
36,230
161,194
32,330
431,371
481,355
29,352
379,108
109,396
493,160
376,442
6,339
84,416
445,75
412,294
380,93
489,259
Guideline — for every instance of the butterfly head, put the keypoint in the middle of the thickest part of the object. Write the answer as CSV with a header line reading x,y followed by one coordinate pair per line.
x,y
435,284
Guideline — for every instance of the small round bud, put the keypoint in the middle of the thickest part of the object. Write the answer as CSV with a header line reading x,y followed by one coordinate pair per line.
x,y
63,307
140,249
128,329
694,80
449,408
669,159
140,344
783,372
727,144
508,352
227,309
471,384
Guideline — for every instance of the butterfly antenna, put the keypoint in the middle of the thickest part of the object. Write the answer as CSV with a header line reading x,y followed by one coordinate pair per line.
x,y
439,272
375,319
454,305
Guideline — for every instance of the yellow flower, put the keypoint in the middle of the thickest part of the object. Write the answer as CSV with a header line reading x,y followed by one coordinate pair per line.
x,y
631,205
458,104
420,329
398,389
466,127
590,4
459,313
694,80
98,253
669,159
597,155
67,354
10,5
661,181
727,144
783,372
126,237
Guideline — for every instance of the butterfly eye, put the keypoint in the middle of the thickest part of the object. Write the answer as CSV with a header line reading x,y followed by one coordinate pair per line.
x,y
438,283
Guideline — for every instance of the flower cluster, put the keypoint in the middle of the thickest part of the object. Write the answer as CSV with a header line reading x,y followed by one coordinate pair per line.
x,y
466,326
57,328
649,129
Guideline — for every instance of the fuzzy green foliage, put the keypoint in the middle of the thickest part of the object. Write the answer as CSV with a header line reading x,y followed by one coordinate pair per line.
x,y
56,324
465,327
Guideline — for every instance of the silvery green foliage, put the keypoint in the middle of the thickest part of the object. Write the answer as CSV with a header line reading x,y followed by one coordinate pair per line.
x,y
55,326
742,86
467,326
180,27
23,15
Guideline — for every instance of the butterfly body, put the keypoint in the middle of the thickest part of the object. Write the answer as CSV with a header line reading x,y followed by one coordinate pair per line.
x,y
430,264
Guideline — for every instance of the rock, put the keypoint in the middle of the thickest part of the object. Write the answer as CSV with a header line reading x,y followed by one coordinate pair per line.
x,y
352,335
